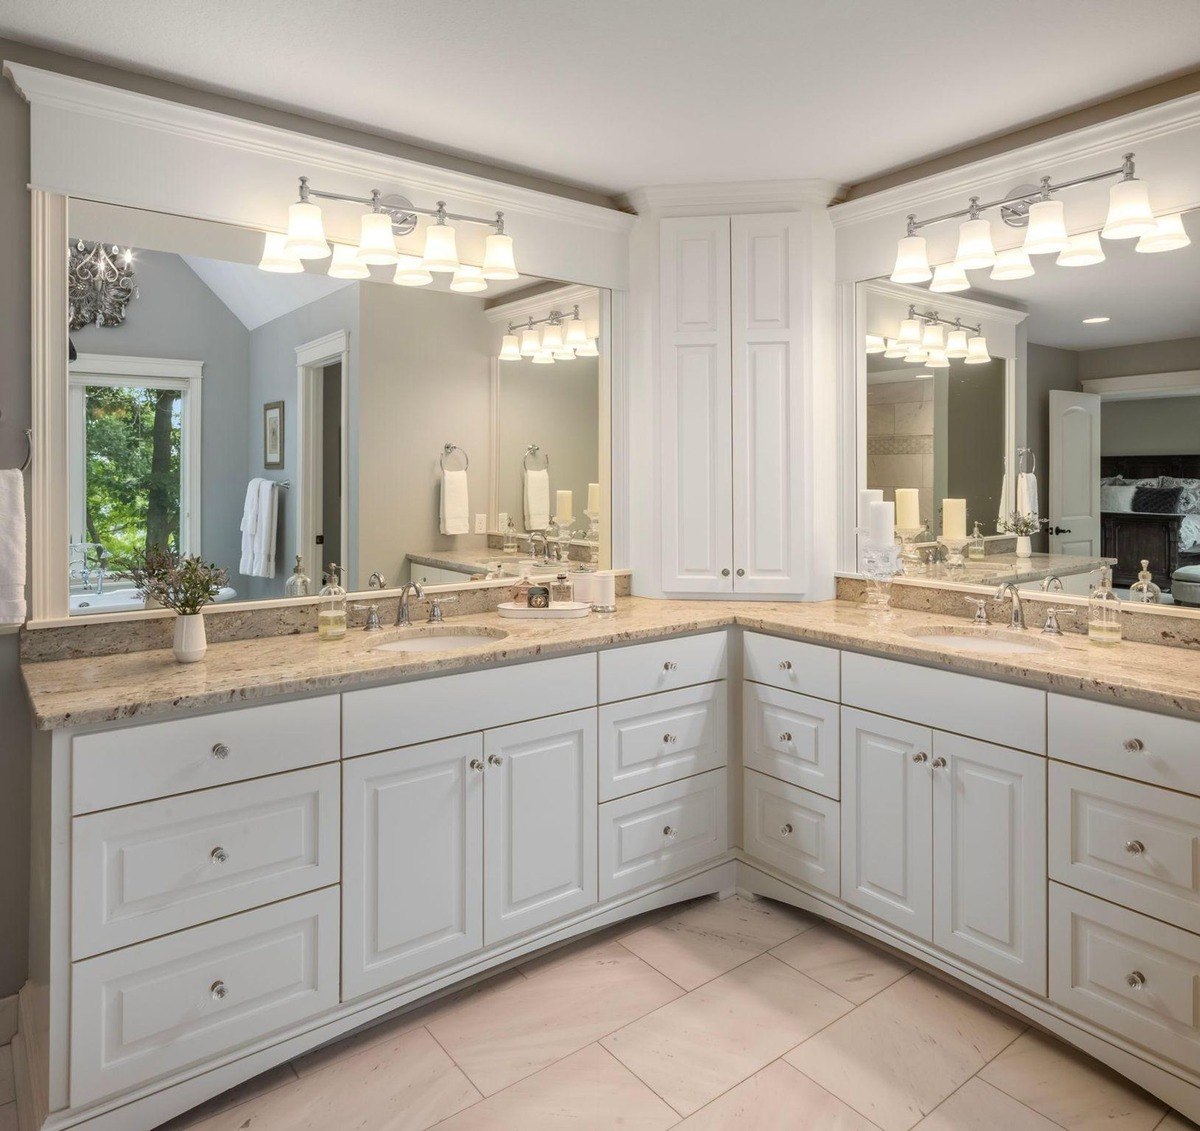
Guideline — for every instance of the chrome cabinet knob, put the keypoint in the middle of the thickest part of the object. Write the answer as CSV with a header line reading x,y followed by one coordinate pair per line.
x,y
495,760
785,830
219,990
785,665
786,736
670,739
741,573
920,756
938,763
669,832
1134,847
1135,980
218,855
724,573
1134,745
670,666
220,750
477,765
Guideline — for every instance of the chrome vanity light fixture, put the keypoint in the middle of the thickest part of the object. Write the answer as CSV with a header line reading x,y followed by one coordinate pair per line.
x,y
922,340
564,337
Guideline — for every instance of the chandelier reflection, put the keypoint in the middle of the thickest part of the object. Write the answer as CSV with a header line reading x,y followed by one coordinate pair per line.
x,y
100,284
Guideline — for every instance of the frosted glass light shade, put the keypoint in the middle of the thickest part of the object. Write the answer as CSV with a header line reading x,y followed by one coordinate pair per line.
x,y
875,344
1047,231
564,354
576,333
276,258
937,359
912,261
589,349
1012,264
977,353
915,356
933,337
531,342
949,277
910,332
593,327
441,251
509,349
410,273
306,233
376,241
468,279
975,249
956,343
894,348
1081,251
1129,212
498,262
1168,235
345,264
552,337
544,357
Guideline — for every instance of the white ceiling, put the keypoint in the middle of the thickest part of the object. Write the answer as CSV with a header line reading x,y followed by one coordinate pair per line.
x,y
628,93
256,297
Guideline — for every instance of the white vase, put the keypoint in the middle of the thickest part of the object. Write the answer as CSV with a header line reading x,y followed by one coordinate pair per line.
x,y
1024,546
190,640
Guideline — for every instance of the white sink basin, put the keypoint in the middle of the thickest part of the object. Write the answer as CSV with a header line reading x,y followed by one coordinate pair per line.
x,y
440,638
995,641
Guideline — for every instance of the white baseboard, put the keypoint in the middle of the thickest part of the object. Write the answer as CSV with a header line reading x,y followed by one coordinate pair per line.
x,y
8,1019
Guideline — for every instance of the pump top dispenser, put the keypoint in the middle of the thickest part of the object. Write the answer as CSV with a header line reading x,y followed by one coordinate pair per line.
x,y
1104,611
1144,591
298,585
331,612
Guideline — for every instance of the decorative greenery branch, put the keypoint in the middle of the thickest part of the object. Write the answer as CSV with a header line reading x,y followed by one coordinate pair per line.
x,y
185,584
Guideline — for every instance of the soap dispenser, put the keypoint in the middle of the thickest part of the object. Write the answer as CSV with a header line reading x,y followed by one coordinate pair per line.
x,y
331,613
1144,591
976,547
1104,611
298,585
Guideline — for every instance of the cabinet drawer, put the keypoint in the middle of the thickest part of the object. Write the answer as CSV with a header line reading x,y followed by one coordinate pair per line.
x,y
120,767
791,737
650,836
382,718
1131,843
793,666
1134,976
793,830
1156,749
151,868
147,1010
663,665
662,738
963,704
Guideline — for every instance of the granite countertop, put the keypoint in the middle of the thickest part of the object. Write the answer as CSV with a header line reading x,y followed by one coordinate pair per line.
x,y
477,561
151,685
1010,567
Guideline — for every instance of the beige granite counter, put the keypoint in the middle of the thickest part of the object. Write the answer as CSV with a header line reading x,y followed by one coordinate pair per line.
x,y
150,685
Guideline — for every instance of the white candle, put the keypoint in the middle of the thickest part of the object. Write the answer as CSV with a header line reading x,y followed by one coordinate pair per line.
x,y
866,497
954,518
908,508
881,524
593,506
563,514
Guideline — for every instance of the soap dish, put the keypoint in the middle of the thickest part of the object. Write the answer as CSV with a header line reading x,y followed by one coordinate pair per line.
x,y
558,610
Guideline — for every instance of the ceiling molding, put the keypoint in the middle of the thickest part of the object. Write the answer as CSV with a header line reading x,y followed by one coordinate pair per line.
x,y
115,365
540,305
1145,386
953,304
750,196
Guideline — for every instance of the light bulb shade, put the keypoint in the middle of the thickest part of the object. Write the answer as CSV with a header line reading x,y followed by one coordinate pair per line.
x,y
937,359
306,233
590,349
949,277
410,272
915,356
593,328
894,349
875,344
552,337
468,279
531,342
1012,264
498,262
910,332
975,249
956,343
509,349
912,262
1168,235
1129,212
1047,231
441,251
933,337
345,264
564,354
543,357
576,333
977,353
376,241
276,258
1081,251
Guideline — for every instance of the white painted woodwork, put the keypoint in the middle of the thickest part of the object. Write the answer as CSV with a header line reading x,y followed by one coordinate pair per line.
x,y
1155,749
661,738
662,665
129,764
695,419
412,892
402,714
146,1010
1133,844
650,836
539,860
794,831
989,857
887,820
1073,489
1128,973
791,737
792,665
148,869
965,704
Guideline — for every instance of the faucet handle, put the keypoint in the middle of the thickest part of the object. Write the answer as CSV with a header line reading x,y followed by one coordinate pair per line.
x,y
1050,628
980,604
435,607
372,610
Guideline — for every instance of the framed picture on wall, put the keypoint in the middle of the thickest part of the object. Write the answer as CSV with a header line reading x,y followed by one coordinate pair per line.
x,y
273,436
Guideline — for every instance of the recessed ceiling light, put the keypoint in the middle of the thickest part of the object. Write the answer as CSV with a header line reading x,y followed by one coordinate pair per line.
x,y
1098,318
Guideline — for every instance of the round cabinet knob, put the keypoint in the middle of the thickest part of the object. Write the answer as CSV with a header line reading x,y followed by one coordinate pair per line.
x,y
724,573
476,764
1135,980
218,855
495,760
220,750
670,666
1134,847
786,736
669,832
670,739
939,763
785,665
920,756
741,573
219,990
1134,745
785,830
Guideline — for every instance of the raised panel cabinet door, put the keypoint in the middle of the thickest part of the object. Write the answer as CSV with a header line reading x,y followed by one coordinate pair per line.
x,y
791,829
694,343
989,857
791,737
539,822
887,820
412,884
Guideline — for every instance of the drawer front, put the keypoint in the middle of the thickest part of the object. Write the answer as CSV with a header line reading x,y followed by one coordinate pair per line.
x,y
148,1010
662,738
962,704
793,830
663,665
791,737
1130,843
808,668
1134,976
1156,749
160,866
403,714
650,836
121,767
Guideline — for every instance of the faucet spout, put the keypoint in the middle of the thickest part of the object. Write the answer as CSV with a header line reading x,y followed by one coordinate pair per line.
x,y
1018,610
403,613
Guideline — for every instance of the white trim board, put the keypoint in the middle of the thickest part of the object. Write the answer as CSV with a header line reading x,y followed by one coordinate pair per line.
x,y
1145,386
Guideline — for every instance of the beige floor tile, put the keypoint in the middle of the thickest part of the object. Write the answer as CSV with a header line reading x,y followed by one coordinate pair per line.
x,y
260,1085
699,1046
714,936
777,1099
587,1091
977,1106
8,1084
1173,1121
842,961
1070,1088
899,1055
499,1038
8,1117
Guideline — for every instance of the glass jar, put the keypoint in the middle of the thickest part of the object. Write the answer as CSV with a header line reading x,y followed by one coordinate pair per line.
x,y
976,547
331,611
1104,611
510,538
562,589
1144,591
299,584
520,591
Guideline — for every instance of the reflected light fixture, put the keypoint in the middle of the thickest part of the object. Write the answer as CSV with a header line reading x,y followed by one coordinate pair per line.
x,y
276,257
1012,264
576,332
894,348
977,353
531,341
1082,250
552,338
564,354
950,277
346,264
937,359
875,344
552,342
956,344
509,349
543,357
1168,235
916,356
937,347
468,279
410,272
910,333
933,337
590,349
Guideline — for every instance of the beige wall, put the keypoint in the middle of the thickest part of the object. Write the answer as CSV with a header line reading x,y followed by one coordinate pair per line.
x,y
900,424
1149,357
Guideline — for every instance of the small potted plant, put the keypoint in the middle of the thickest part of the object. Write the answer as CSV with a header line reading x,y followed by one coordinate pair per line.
x,y
1024,526
183,583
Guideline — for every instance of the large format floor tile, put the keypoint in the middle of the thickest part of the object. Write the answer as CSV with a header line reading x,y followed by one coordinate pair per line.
x,y
251,1089
1173,1121
845,964
699,1046
977,1106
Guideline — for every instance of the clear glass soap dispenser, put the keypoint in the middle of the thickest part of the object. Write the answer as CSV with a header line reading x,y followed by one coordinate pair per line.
x,y
331,613
299,584
1144,591
1104,611
976,547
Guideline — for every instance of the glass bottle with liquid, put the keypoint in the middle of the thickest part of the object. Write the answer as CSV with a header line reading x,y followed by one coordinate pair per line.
x,y
561,589
1104,611
976,547
1144,591
331,612
299,584
510,538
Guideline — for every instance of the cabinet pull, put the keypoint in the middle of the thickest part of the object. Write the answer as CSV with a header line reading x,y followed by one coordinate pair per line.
x,y
785,830
669,832
218,990
1134,745
495,760
741,573
476,764
786,736
670,666
1135,980
220,750
724,573
920,756
785,665
1134,847
670,739
938,763
218,855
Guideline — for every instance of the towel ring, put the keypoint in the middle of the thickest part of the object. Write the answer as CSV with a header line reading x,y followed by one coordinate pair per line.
x,y
1021,454
532,452
448,449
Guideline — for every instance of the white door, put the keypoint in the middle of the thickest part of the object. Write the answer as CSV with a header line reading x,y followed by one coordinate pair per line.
x,y
539,822
1074,487
697,472
989,857
887,820
412,881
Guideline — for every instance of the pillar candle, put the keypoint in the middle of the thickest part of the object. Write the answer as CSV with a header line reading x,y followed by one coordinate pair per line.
x,y
954,518
563,513
593,506
866,497
881,524
908,508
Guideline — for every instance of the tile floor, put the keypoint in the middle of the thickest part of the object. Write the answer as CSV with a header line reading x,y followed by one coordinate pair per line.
x,y
706,1016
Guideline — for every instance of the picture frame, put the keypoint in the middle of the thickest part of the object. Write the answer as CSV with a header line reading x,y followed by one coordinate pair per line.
x,y
273,436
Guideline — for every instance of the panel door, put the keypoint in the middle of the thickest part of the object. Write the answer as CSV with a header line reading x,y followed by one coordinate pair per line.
x,y
1075,473
989,857
791,737
412,885
887,820
539,822
791,829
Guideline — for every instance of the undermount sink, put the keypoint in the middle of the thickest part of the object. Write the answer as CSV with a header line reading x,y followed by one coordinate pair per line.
x,y
996,641
439,638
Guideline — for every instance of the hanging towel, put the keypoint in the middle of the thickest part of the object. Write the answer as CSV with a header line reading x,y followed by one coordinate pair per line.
x,y
1027,494
456,517
248,527
537,499
265,529
1003,511
12,547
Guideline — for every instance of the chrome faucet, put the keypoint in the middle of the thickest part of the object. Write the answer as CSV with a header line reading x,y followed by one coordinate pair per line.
x,y
1018,612
545,546
403,616
1053,581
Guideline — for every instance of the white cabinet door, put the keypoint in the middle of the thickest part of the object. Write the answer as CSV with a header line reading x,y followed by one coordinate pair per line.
x,y
539,822
412,886
989,857
887,825
694,339
1074,482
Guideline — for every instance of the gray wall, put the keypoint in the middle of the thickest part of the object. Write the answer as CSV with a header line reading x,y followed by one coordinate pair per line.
x,y
1046,368
1149,357
975,439
1166,426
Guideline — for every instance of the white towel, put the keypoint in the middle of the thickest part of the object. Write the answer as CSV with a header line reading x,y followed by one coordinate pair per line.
x,y
1027,494
1003,512
263,561
456,516
537,499
248,526
12,547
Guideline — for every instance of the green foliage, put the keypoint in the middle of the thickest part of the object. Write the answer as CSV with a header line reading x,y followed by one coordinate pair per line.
x,y
185,584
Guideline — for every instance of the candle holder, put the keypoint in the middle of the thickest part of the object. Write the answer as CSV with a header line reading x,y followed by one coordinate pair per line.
x,y
954,552
909,552
880,566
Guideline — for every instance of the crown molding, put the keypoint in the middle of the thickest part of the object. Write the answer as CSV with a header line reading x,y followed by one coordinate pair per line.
x,y
748,196
540,305
953,304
